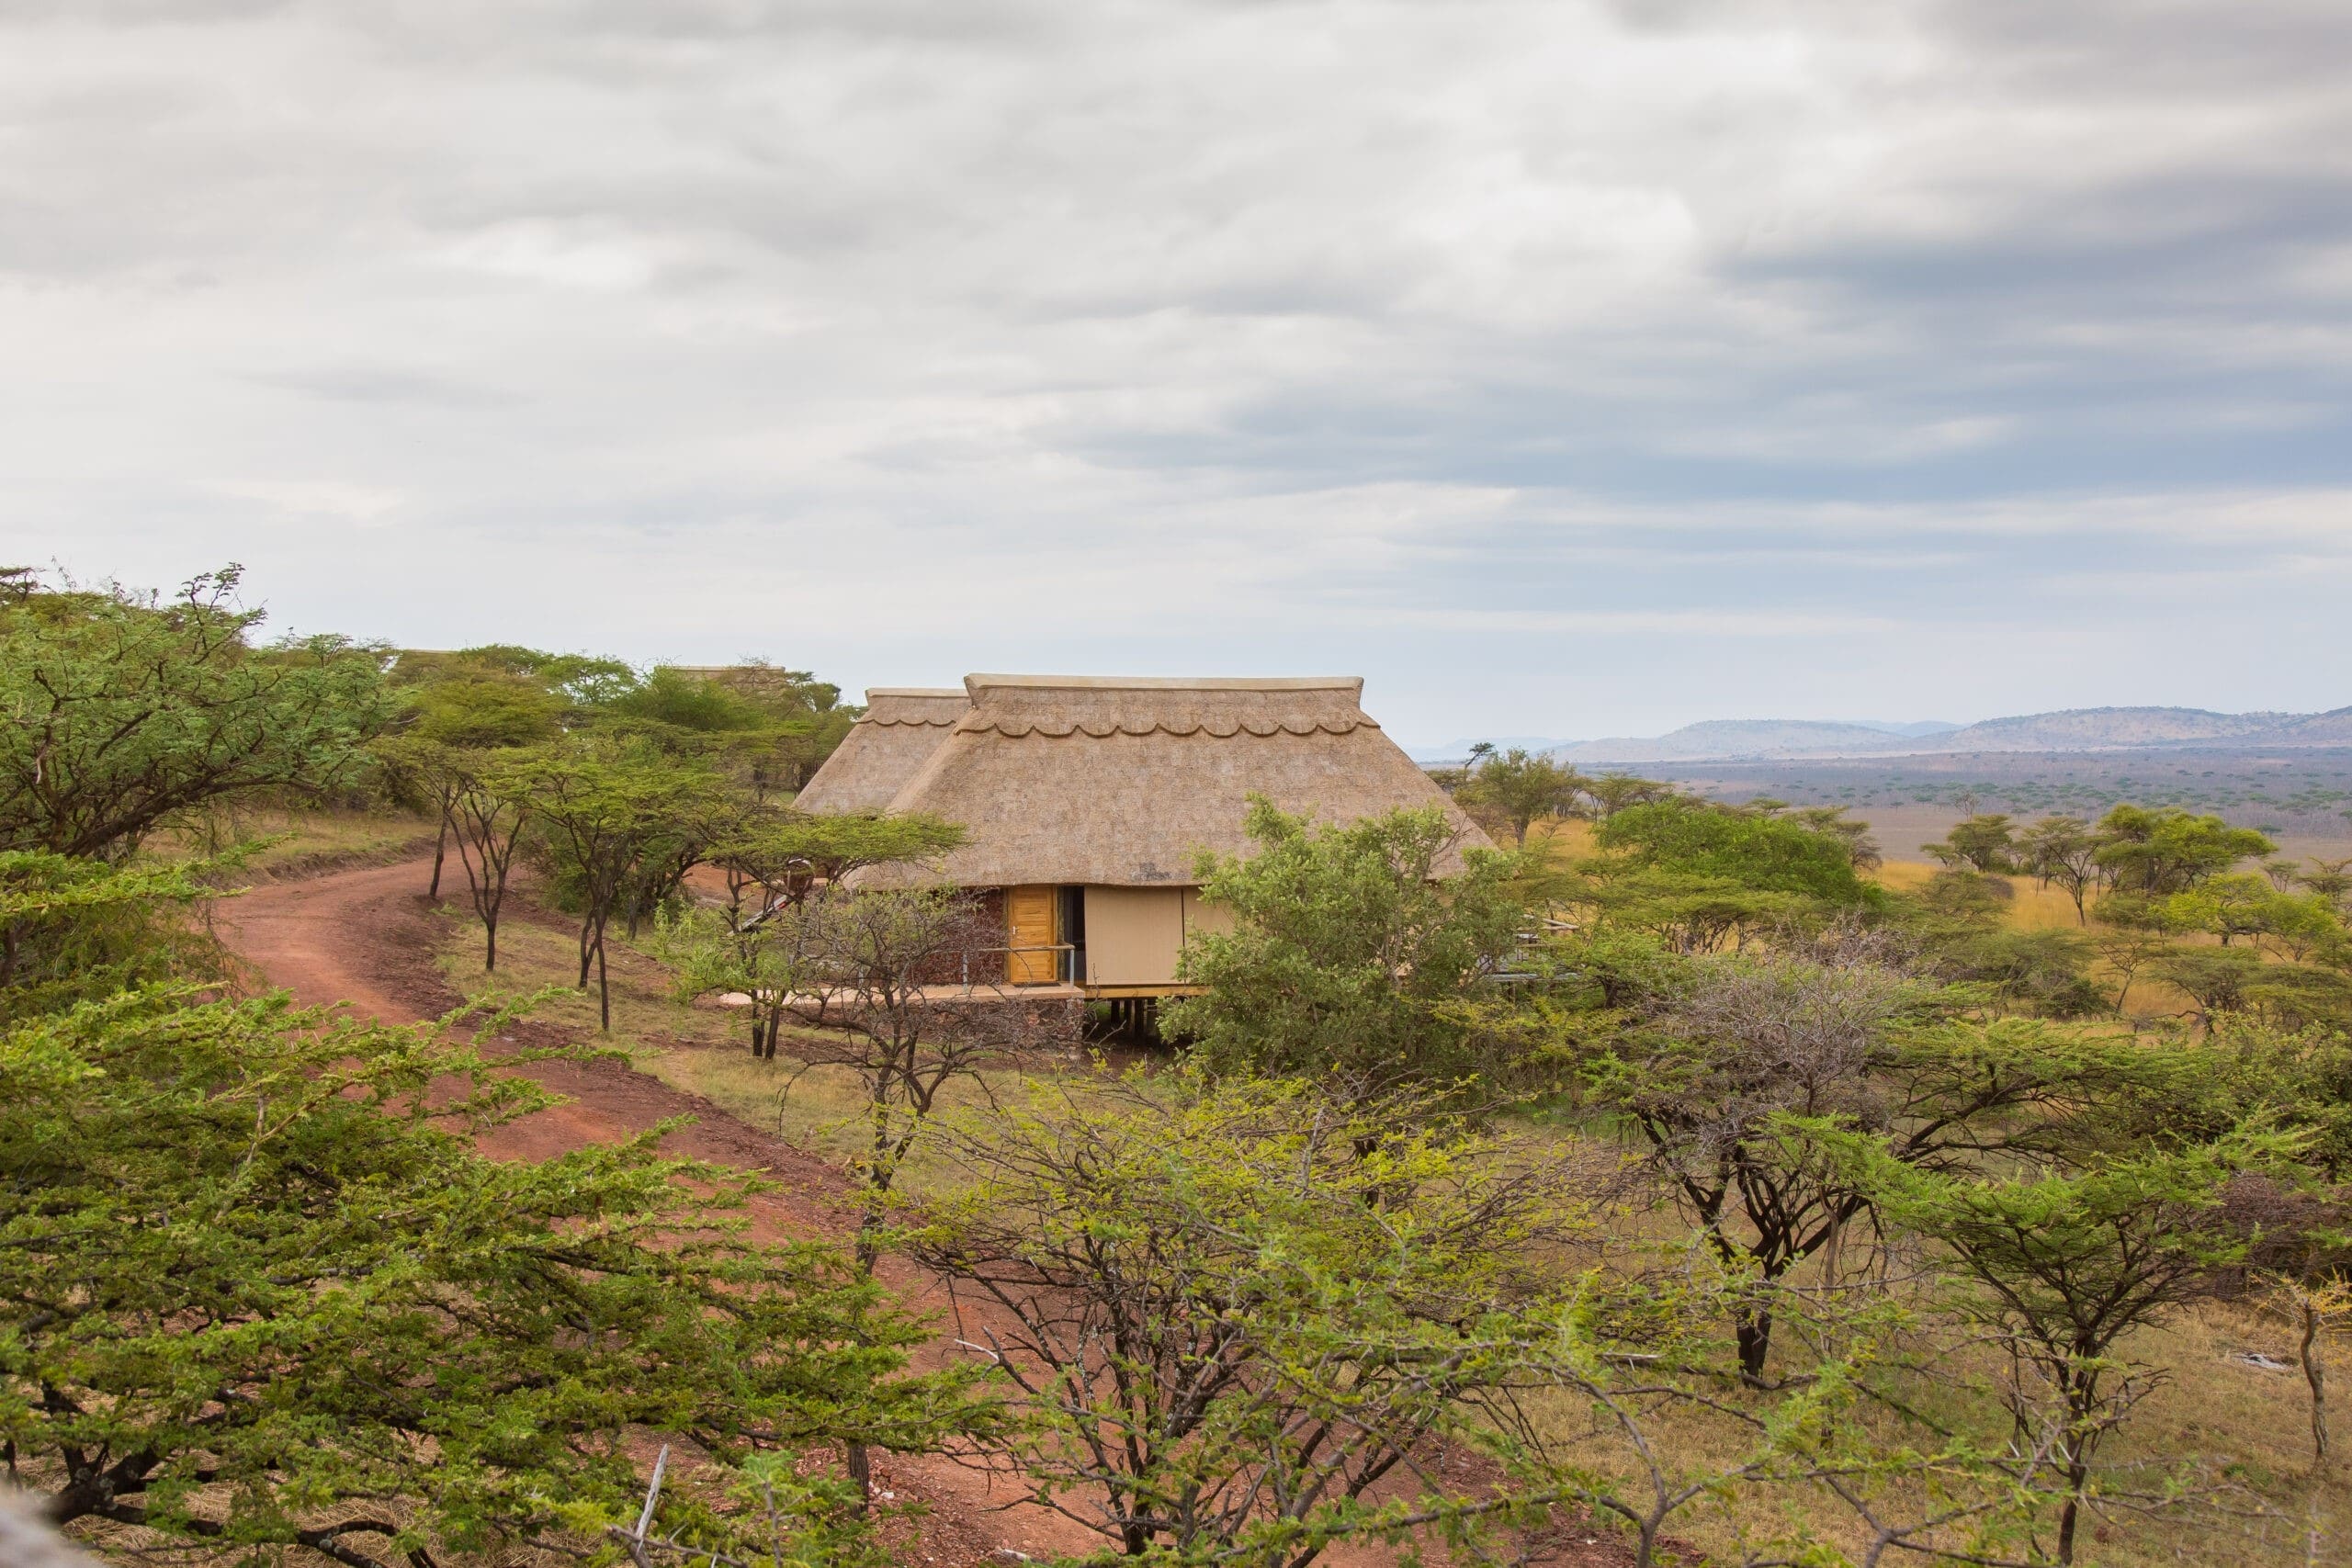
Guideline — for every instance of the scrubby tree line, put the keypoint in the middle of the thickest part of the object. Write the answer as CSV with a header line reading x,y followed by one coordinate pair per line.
x,y
1691,1183
259,1295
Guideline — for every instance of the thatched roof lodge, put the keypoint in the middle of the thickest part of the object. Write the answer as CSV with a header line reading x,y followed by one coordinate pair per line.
x,y
1089,798
901,726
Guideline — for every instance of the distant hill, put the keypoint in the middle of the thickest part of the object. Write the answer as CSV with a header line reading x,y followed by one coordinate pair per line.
x,y
2102,729
1455,750
2333,728
2072,729
1912,727
1739,737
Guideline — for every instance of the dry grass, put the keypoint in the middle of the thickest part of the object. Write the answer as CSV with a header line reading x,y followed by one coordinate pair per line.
x,y
699,1047
2237,1435
2233,1425
305,842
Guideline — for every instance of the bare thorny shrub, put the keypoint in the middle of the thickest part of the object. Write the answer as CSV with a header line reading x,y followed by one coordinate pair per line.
x,y
1246,1322
1240,1319
878,982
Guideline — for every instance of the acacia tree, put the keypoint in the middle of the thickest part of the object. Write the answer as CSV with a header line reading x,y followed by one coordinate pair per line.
x,y
452,721
879,983
1984,843
2157,852
2064,849
2064,1264
773,862
1722,1061
785,855
1699,874
263,1296
124,713
1520,789
606,814
1229,1318
1350,957
1612,793
493,809
2328,879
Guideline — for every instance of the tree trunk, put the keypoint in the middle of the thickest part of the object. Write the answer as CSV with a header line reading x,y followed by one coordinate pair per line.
x,y
440,848
2315,1375
2071,1512
490,944
2081,1400
603,987
1752,1329
861,1469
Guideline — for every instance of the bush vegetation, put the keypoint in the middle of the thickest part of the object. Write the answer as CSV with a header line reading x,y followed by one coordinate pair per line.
x,y
1668,1173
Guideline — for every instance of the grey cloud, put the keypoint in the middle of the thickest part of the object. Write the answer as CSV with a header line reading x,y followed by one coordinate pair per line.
x,y
382,384
1257,306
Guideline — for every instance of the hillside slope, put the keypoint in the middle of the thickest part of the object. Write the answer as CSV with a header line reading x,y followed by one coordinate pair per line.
x,y
2069,729
1739,737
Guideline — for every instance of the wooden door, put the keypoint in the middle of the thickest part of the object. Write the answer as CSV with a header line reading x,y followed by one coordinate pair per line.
x,y
1031,930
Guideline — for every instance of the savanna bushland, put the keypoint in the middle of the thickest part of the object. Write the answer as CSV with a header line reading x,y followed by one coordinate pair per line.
x,y
1679,1182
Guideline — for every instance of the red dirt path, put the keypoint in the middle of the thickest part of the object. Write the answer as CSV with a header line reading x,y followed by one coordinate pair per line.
x,y
366,938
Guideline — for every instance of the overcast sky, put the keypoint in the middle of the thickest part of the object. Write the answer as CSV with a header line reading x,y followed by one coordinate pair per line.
x,y
1564,369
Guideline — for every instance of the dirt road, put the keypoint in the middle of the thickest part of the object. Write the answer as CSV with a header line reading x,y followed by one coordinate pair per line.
x,y
364,938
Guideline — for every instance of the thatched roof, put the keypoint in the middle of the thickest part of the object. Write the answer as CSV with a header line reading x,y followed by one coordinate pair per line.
x,y
902,728
1122,781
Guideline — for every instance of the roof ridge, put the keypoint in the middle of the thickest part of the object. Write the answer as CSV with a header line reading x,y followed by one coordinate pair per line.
x,y
978,683
1016,726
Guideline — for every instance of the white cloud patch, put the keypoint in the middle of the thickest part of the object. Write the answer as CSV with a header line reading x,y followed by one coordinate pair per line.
x,y
1518,353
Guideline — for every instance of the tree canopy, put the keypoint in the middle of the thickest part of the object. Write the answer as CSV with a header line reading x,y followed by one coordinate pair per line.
x,y
125,712
1348,955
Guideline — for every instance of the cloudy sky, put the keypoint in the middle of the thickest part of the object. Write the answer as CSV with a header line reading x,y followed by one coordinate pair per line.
x,y
1564,368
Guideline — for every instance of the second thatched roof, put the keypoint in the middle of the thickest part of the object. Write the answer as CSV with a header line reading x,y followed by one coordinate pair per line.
x,y
1122,781
901,726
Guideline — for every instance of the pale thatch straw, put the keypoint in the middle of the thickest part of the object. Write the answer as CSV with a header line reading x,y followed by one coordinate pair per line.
x,y
1122,781
901,726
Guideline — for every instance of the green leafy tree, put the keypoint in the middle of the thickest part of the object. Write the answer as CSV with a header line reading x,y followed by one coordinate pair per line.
x,y
774,862
615,821
1700,873
2066,1264
122,713
262,1296
1353,956
578,680
484,806
1985,843
2063,851
2330,880
1232,1317
1831,822
1961,924
1711,1069
481,713
778,857
2155,853
870,979
1612,793
77,930
1519,790
1695,838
